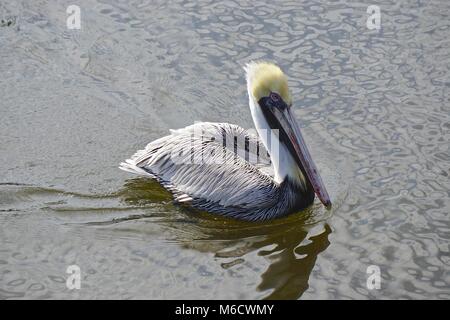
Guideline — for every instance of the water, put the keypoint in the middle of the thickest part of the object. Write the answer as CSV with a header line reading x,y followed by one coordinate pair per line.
x,y
374,106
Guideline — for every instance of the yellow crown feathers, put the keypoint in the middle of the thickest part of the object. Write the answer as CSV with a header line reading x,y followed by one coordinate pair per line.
x,y
265,77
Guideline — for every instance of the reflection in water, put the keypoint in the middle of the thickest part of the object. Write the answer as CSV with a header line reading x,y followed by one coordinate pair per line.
x,y
281,241
288,275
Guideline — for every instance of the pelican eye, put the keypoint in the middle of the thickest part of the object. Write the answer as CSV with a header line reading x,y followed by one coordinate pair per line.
x,y
275,100
275,97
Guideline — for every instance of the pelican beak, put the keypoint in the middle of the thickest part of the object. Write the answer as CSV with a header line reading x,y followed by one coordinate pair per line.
x,y
290,134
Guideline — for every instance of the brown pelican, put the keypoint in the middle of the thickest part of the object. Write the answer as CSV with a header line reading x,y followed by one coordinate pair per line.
x,y
222,168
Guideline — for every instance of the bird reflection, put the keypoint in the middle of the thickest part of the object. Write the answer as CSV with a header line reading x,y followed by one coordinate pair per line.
x,y
286,243
289,273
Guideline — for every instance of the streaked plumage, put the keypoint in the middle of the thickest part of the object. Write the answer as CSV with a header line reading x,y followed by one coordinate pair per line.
x,y
230,172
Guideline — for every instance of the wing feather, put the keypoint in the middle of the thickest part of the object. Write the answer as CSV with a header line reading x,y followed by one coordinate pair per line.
x,y
216,163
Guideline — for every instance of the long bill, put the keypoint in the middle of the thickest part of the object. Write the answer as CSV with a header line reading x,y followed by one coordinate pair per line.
x,y
303,157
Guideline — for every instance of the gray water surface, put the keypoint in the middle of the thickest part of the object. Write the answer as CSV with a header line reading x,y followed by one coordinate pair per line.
x,y
374,107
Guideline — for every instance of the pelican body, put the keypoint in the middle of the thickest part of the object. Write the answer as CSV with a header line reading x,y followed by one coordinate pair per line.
x,y
224,169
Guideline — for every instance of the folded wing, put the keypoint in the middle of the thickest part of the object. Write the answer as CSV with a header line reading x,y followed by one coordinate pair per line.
x,y
210,165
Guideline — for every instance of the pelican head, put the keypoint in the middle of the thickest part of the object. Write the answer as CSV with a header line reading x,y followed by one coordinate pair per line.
x,y
270,104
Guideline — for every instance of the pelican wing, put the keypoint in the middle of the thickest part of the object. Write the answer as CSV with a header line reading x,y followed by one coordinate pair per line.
x,y
241,142
209,164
